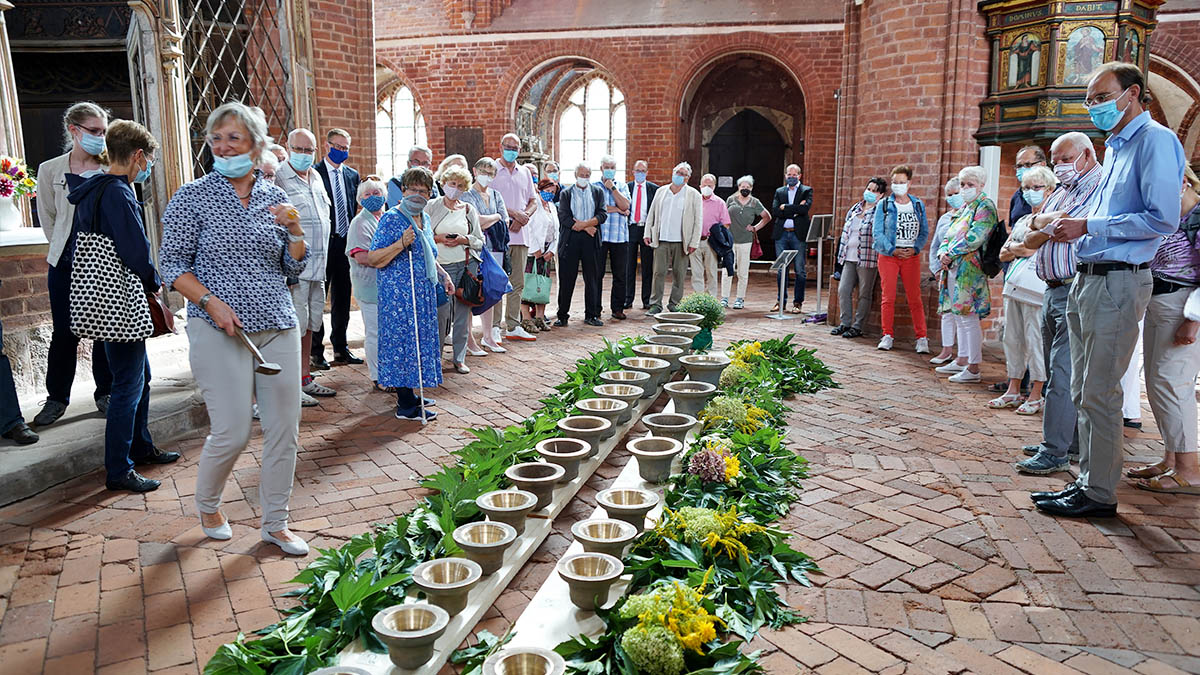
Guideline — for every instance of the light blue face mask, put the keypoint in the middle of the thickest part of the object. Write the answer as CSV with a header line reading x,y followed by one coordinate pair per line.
x,y
301,161
678,180
553,175
1033,197
870,197
955,201
92,145
233,167
608,174
509,156
1106,115
1021,170
144,175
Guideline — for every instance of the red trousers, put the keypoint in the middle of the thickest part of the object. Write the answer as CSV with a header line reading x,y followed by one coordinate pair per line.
x,y
909,271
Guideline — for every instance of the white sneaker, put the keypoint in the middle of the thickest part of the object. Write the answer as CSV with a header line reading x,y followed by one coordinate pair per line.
x,y
885,343
922,345
950,368
521,334
496,336
254,411
965,377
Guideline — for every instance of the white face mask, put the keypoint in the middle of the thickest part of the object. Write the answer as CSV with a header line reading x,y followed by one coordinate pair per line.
x,y
581,182
899,189
483,179
969,194
706,191
450,191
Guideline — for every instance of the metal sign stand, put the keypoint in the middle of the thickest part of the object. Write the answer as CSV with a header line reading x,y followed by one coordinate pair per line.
x,y
819,230
782,260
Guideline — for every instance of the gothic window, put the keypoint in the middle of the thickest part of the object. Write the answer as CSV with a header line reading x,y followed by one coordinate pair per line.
x,y
591,125
399,125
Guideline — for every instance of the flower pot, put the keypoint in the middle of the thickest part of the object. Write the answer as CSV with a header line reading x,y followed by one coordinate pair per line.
x,y
705,367
604,535
628,393
10,215
654,456
447,582
610,409
507,506
628,504
685,329
524,661
670,425
590,576
341,670
565,452
679,317
409,632
538,478
665,352
690,396
485,542
681,341
657,369
634,377
588,428
703,340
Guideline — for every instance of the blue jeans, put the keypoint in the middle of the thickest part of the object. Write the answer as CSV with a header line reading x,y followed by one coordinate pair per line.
x,y
790,242
10,407
126,432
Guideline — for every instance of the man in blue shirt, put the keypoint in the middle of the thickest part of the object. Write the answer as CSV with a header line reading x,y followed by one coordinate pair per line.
x,y
1136,205
614,234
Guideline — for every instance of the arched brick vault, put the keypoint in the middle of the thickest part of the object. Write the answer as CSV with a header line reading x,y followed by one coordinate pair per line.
x,y
1174,42
401,77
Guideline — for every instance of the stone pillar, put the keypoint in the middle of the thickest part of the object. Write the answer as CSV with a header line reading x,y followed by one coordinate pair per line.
x,y
11,142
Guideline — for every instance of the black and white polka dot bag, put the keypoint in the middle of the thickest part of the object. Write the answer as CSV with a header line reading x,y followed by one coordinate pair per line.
x,y
108,301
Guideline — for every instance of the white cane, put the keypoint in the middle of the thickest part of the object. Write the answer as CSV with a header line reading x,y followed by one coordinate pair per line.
x,y
416,331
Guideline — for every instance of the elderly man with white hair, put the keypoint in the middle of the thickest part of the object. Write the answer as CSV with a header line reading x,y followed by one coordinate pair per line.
x,y
418,155
305,189
614,235
704,261
673,231
581,213
515,185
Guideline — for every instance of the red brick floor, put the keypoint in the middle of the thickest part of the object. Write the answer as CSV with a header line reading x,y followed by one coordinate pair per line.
x,y
933,559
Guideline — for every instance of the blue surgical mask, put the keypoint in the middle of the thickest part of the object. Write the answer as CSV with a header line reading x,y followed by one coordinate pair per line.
x,y
1106,115
337,156
144,175
1021,170
553,175
509,156
955,201
547,196
639,176
1033,197
233,167
301,162
92,145
869,197
414,203
792,181
678,180
608,174
372,203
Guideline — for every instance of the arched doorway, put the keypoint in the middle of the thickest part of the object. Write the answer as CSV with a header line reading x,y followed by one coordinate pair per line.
x,y
746,145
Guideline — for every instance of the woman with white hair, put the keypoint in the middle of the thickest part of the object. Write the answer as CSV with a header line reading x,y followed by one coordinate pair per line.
x,y
455,227
949,328
964,287
747,216
493,220
372,196
230,240
268,164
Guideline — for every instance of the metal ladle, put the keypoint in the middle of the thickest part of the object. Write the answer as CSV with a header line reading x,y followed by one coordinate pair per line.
x,y
261,365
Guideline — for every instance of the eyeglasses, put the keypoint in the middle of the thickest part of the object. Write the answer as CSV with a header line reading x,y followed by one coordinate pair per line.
x,y
1041,186
510,147
1030,165
1103,97
95,132
303,151
424,192
339,146
234,138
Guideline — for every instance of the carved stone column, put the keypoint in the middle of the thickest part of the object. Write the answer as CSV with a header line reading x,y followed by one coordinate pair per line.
x,y
10,116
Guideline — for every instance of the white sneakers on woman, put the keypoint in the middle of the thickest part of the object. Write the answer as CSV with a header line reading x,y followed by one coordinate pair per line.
x,y
950,368
885,343
922,345
965,376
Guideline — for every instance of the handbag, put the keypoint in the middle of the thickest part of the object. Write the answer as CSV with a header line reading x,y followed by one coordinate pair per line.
x,y
495,283
160,313
755,248
1022,283
537,283
469,287
107,301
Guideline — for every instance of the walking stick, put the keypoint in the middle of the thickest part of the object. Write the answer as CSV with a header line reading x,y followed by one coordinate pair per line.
x,y
416,330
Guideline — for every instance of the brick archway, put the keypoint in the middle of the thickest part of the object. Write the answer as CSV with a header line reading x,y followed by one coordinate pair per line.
x,y
1179,86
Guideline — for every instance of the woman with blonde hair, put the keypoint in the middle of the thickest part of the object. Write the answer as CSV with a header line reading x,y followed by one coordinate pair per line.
x,y
541,234
493,220
454,224
372,195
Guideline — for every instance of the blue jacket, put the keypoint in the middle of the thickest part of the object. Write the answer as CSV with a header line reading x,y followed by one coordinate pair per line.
x,y
884,231
109,202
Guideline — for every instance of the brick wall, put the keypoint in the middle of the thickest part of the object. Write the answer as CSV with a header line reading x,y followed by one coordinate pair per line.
x,y
343,50
1177,42
25,311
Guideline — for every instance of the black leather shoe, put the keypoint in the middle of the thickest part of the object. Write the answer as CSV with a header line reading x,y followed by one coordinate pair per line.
x,y
593,322
318,363
1077,505
134,482
21,434
1068,489
157,456
50,414
560,323
839,330
618,315
1131,423
346,359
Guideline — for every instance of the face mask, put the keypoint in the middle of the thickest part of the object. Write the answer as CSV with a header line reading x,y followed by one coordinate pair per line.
x,y
1066,172
1106,115
450,191
608,174
484,180
144,175
300,162
955,200
706,191
92,145
969,194
792,181
1033,197
553,175
581,182
509,156
678,180
869,197
337,156
233,167
899,189
1021,171
639,176
744,192
547,196
372,203
414,203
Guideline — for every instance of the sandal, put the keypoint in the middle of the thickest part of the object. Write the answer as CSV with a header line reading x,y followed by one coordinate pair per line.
x,y
1032,407
1005,401
1148,471
1155,484
386,390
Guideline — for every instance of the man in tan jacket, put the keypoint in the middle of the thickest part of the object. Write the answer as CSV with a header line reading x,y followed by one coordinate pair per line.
x,y
673,231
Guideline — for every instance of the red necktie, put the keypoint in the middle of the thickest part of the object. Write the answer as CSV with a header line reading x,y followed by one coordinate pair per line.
x,y
637,207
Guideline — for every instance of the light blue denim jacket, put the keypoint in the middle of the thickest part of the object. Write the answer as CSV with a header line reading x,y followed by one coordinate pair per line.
x,y
884,231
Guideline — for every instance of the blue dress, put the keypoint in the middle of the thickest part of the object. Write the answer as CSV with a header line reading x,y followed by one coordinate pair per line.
x,y
397,324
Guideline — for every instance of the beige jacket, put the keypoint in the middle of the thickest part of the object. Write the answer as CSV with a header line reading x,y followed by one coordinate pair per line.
x,y
693,211
55,214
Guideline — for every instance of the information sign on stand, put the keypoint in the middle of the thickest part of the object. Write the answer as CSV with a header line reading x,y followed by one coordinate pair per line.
x,y
783,259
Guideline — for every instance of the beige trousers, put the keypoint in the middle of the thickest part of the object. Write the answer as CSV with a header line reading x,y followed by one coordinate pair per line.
x,y
668,255
1171,372
704,269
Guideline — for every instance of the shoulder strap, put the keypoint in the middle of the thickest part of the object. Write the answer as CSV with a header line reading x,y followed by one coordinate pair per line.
x,y
96,211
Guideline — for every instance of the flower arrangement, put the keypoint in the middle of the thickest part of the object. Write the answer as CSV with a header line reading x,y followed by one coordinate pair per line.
x,y
733,411
714,462
718,532
705,305
16,180
671,619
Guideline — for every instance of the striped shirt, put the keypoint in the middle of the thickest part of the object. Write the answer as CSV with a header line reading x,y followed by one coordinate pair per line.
x,y
1056,260
615,229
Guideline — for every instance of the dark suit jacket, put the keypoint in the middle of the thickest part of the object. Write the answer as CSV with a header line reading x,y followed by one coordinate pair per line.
x,y
782,210
651,188
350,182
567,218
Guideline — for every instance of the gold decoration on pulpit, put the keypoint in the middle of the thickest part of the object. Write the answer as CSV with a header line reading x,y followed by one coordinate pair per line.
x,y
1049,107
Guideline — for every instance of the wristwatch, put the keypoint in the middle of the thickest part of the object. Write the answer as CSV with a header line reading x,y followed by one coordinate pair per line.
x,y
203,301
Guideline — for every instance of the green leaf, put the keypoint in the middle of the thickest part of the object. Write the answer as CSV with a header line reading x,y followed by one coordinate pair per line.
x,y
351,591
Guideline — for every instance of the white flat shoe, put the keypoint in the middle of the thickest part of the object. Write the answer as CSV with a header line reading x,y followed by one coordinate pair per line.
x,y
476,352
951,368
495,349
296,546
937,360
965,377
222,532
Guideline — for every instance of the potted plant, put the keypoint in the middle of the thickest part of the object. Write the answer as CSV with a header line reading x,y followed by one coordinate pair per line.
x,y
708,307
16,181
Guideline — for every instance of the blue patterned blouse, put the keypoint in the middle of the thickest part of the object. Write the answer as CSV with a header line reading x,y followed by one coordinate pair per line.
x,y
239,253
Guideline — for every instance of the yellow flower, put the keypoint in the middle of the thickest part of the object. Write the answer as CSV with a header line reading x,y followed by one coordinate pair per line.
x,y
732,468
